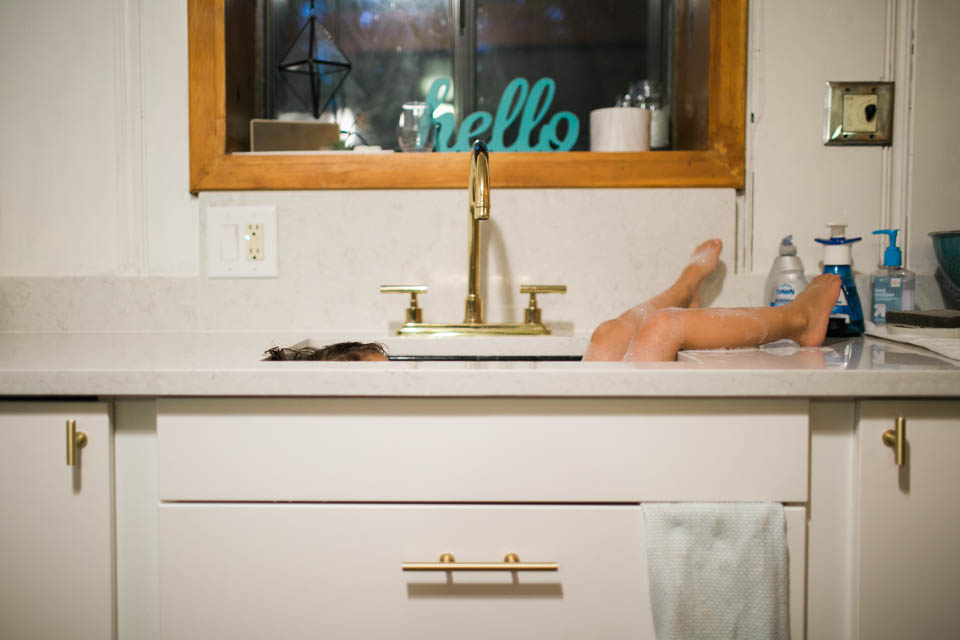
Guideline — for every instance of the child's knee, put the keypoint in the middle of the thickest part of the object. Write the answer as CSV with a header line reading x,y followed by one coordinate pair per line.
x,y
662,324
608,341
608,330
658,338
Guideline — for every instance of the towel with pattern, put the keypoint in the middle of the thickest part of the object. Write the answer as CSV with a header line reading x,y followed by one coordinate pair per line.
x,y
718,570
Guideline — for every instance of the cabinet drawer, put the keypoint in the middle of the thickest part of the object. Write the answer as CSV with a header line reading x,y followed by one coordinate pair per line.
x,y
334,571
482,450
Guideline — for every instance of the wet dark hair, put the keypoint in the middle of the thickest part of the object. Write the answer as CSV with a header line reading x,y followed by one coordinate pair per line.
x,y
340,351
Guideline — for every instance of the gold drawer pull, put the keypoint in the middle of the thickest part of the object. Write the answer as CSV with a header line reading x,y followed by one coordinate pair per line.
x,y
897,440
510,563
76,440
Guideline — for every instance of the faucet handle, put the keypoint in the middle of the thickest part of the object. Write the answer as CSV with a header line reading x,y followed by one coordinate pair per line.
x,y
414,312
531,315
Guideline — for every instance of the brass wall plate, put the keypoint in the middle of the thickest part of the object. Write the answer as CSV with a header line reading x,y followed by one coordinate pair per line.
x,y
858,113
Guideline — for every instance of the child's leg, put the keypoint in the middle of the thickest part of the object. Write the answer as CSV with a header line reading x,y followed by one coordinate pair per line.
x,y
610,340
804,320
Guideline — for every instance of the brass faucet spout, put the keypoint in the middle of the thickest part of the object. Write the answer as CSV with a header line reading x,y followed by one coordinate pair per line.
x,y
479,181
479,210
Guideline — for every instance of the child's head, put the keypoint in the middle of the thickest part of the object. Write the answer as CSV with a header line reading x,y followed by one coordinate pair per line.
x,y
341,351
352,351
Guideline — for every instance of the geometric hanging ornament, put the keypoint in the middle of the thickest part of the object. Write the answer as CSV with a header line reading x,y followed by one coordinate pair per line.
x,y
314,64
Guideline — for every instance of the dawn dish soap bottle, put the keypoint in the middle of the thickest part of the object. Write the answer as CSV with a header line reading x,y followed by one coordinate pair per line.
x,y
892,286
786,277
846,318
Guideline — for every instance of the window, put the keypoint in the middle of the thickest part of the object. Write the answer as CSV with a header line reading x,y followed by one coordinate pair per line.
x,y
508,41
372,56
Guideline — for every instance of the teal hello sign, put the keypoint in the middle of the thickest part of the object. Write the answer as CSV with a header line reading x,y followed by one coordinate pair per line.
x,y
520,102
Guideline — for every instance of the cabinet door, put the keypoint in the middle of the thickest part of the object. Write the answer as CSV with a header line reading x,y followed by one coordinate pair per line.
x,y
910,522
56,540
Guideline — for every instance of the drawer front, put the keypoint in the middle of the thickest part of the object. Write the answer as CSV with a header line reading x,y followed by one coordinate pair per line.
x,y
483,450
334,571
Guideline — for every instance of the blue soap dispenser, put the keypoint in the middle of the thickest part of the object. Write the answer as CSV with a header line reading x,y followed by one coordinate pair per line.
x,y
893,287
846,318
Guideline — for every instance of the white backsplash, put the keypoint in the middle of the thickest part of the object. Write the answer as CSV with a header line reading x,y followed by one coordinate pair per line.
x,y
611,247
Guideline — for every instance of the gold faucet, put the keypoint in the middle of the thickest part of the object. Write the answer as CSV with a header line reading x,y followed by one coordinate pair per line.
x,y
473,323
479,210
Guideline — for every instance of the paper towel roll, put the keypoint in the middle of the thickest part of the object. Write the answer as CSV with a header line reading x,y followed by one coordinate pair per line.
x,y
620,129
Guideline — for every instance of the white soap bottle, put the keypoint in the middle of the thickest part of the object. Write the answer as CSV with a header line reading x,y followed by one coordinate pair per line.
x,y
786,277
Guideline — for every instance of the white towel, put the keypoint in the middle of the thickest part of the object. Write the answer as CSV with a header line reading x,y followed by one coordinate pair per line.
x,y
717,570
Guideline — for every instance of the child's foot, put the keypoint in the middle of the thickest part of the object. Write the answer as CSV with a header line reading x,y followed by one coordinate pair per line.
x,y
814,304
703,261
706,256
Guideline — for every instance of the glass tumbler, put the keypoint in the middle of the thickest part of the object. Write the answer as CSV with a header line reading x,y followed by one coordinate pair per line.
x,y
415,127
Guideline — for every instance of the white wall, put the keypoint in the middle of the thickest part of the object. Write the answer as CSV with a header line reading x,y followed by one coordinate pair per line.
x,y
59,204
934,194
797,184
94,175
169,244
94,160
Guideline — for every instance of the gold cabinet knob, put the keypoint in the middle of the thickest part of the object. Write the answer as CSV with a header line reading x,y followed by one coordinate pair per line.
x,y
76,440
532,314
897,440
414,312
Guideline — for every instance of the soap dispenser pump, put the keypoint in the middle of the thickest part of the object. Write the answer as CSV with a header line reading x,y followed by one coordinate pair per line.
x,y
892,286
846,318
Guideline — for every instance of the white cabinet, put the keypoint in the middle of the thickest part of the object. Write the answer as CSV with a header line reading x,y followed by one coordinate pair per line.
x,y
56,529
291,517
483,450
909,555
334,571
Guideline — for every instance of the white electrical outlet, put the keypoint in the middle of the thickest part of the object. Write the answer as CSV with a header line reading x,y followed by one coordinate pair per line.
x,y
242,242
254,239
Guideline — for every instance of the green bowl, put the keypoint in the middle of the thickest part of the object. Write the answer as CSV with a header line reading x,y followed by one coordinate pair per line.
x,y
946,246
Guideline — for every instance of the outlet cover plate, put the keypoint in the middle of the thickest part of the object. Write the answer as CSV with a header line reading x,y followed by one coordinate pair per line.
x,y
858,113
227,244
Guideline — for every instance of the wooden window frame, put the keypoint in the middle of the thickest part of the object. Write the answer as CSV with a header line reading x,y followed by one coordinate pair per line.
x,y
721,164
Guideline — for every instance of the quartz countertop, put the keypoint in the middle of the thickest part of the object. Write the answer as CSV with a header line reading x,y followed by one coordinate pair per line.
x,y
155,364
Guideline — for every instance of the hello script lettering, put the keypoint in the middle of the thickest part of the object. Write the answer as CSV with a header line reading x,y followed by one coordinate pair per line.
x,y
518,101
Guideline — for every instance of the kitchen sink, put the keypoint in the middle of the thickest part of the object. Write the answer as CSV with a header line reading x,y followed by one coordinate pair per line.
x,y
445,349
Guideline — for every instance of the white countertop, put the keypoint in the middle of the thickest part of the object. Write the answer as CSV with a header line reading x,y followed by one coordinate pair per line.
x,y
229,364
